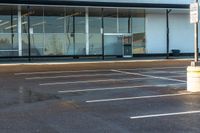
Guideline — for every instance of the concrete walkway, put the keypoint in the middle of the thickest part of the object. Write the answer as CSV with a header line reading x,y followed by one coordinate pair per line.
x,y
92,64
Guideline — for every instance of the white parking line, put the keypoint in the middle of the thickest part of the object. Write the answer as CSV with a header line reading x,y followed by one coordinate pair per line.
x,y
54,72
91,81
57,72
85,75
134,98
155,68
116,88
73,76
171,72
167,114
165,78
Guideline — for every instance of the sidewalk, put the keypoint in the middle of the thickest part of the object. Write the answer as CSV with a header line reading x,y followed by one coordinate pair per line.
x,y
92,64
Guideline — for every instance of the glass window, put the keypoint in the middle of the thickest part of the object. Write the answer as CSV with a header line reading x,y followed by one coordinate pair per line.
x,y
37,19
110,20
8,31
138,30
69,20
54,20
124,17
95,20
79,14
95,37
8,19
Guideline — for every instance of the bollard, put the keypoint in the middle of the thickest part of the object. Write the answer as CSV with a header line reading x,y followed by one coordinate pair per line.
x,y
193,78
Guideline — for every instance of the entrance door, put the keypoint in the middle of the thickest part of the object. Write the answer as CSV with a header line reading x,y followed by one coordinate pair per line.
x,y
127,46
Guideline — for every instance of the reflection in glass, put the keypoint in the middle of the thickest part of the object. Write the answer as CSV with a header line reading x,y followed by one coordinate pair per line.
x,y
95,37
110,20
37,44
69,47
8,44
124,18
138,30
95,44
37,19
54,20
54,44
113,45
8,31
62,30
80,44
95,20
54,31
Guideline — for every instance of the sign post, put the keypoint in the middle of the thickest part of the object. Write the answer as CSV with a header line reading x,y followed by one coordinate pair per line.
x,y
194,18
193,71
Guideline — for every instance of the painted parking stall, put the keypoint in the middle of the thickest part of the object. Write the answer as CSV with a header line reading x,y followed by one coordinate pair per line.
x,y
127,95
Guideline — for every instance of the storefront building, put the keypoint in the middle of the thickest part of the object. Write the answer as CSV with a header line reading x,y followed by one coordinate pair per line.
x,y
70,28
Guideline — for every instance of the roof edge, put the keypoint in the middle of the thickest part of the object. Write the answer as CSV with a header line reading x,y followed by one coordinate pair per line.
x,y
95,4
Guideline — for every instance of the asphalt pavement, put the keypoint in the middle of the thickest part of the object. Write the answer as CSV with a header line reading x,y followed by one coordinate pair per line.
x,y
98,97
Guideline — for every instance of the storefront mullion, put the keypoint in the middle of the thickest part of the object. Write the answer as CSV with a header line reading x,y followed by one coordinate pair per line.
x,y
87,31
19,32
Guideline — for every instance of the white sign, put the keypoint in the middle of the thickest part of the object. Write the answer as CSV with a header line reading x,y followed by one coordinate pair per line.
x,y
194,13
31,30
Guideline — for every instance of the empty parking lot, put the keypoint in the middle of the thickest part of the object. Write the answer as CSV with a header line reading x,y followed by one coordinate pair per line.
x,y
118,100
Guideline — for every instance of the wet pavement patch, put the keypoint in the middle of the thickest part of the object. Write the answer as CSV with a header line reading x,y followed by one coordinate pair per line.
x,y
29,96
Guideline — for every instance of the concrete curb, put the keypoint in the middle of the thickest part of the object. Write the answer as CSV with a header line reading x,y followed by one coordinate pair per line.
x,y
91,62
93,65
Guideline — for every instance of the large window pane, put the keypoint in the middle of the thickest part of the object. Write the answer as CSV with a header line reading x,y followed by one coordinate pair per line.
x,y
95,20
95,44
95,37
8,31
79,14
70,45
8,19
75,37
8,44
124,17
69,20
54,20
110,20
54,44
37,19
37,31
80,46
54,31
37,44
138,30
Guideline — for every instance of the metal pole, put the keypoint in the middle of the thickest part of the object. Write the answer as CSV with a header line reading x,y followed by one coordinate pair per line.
x,y
102,33
29,36
167,16
19,31
196,55
87,47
